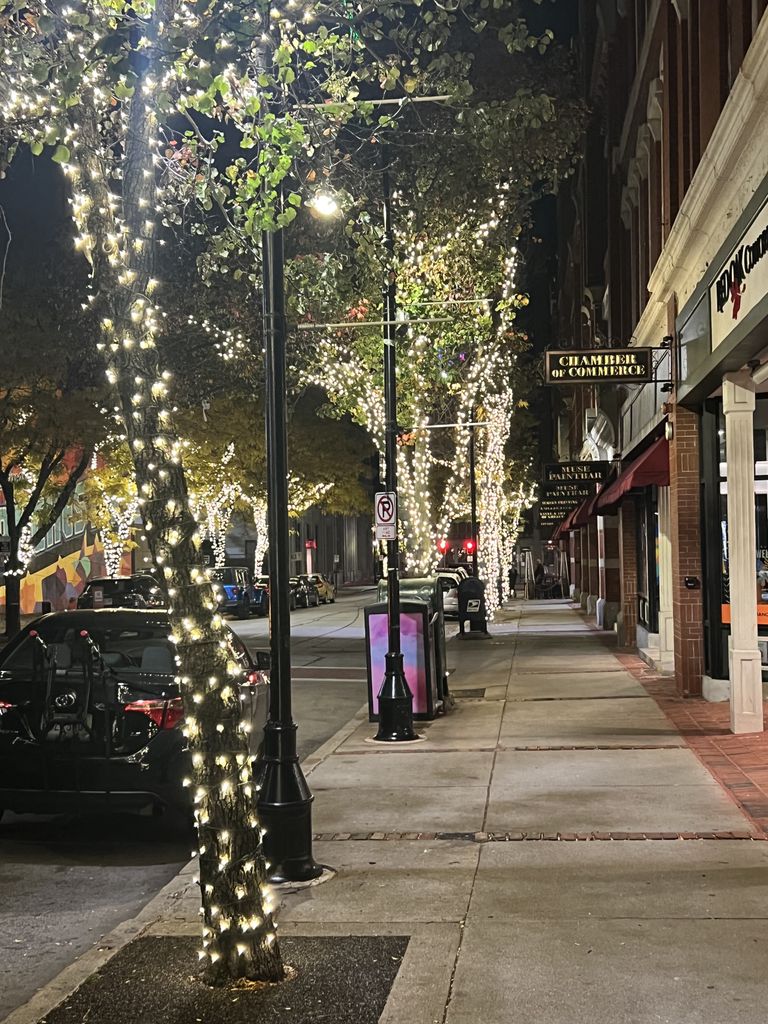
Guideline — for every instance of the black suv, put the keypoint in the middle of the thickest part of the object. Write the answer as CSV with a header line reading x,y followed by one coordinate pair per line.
x,y
236,592
91,713
138,591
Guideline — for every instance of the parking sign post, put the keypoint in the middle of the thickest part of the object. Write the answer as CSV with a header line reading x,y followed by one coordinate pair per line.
x,y
395,697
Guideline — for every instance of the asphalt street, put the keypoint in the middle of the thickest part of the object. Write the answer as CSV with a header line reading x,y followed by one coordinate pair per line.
x,y
65,882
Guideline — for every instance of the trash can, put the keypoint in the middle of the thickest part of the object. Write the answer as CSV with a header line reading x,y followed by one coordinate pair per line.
x,y
472,606
428,589
418,647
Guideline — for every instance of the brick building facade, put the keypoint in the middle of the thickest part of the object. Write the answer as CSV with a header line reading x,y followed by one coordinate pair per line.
x,y
662,233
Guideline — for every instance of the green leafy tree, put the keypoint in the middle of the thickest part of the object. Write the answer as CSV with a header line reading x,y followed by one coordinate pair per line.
x,y
144,105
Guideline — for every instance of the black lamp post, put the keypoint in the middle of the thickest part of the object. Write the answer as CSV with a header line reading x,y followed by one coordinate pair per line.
x,y
473,497
284,800
395,697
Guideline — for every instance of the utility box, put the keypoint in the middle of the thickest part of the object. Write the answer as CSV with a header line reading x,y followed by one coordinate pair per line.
x,y
417,644
472,608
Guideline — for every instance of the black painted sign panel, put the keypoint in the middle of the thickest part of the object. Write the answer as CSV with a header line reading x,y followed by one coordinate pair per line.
x,y
575,472
599,366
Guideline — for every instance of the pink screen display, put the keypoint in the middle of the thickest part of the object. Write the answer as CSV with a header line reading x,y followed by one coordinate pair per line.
x,y
412,646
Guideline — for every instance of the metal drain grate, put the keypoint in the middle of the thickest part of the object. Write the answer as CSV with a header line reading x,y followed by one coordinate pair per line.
x,y
468,694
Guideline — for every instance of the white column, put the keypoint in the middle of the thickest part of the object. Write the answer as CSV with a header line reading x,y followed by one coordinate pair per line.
x,y
743,654
666,619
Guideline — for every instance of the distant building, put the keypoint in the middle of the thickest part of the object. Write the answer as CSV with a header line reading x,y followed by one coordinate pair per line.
x,y
339,546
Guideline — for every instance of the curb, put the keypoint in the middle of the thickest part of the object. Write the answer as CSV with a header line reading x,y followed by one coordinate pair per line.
x,y
65,983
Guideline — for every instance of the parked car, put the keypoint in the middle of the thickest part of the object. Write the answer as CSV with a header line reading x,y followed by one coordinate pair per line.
x,y
325,587
90,714
307,595
263,581
138,591
236,592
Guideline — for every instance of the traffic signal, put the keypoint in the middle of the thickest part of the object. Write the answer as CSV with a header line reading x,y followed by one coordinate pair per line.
x,y
442,545
469,546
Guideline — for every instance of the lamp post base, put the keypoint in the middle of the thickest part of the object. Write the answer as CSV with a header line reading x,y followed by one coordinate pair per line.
x,y
284,805
395,704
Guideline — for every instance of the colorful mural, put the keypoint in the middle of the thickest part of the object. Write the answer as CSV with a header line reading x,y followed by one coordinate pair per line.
x,y
61,581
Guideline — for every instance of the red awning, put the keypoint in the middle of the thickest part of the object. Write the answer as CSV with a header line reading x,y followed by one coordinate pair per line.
x,y
566,524
652,467
580,517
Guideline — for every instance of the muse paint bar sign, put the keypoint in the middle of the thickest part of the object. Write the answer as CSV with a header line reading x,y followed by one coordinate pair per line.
x,y
603,365
575,472
742,281
570,491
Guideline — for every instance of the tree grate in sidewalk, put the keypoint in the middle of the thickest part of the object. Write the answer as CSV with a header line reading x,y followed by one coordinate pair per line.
x,y
508,837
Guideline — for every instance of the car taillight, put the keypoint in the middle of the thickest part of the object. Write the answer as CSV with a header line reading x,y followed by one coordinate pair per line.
x,y
166,714
5,706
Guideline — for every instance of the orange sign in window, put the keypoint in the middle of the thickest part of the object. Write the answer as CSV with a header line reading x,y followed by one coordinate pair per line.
x,y
762,614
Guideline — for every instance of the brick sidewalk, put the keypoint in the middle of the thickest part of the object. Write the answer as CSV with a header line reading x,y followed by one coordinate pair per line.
x,y
739,763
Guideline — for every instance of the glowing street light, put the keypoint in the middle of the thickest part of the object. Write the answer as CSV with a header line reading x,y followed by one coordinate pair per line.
x,y
325,204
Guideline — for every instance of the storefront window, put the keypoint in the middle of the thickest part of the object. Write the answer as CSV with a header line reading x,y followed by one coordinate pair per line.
x,y
648,560
761,519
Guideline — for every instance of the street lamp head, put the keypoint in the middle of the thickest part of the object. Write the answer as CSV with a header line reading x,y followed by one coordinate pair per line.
x,y
325,204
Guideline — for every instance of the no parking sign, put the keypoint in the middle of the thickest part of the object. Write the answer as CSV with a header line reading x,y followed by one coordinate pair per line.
x,y
385,511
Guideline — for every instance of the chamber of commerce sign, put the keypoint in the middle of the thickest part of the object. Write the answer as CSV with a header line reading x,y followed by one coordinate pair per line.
x,y
575,472
603,365
742,280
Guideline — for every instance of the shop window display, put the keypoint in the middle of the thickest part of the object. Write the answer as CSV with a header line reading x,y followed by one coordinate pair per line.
x,y
761,522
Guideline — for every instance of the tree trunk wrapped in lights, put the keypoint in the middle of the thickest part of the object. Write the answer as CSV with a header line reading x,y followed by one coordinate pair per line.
x,y
96,88
238,929
116,535
259,510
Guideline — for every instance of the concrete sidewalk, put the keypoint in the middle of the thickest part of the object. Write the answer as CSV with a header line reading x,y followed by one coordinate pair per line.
x,y
554,848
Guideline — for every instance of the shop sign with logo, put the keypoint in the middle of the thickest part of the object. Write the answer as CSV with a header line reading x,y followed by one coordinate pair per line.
x,y
742,281
600,366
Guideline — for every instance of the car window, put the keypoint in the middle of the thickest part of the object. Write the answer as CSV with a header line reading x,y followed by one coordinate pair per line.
x,y
224,576
22,658
115,586
238,649
109,586
143,649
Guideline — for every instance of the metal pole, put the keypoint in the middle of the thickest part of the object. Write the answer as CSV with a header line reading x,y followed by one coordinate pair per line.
x,y
284,801
395,697
473,498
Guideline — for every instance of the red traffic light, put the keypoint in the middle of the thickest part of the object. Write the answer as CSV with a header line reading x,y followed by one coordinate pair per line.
x,y
442,545
469,546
